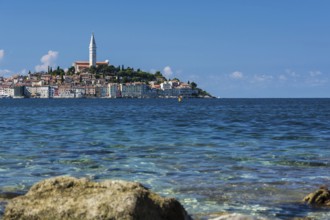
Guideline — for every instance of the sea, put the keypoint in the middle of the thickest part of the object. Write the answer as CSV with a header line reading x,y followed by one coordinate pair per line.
x,y
256,157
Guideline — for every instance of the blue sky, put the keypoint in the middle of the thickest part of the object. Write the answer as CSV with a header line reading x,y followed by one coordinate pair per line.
x,y
231,48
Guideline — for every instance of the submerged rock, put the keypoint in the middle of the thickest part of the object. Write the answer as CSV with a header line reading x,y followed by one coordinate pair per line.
x,y
71,198
319,197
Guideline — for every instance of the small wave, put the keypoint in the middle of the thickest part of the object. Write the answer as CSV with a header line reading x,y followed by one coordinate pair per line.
x,y
303,163
237,216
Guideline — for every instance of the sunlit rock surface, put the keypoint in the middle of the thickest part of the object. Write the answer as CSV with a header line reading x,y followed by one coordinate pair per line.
x,y
71,198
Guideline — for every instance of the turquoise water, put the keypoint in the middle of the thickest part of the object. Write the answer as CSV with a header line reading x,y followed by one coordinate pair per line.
x,y
252,156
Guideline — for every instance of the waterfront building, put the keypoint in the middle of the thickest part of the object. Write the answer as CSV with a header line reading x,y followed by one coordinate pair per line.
x,y
166,89
43,92
90,91
53,91
153,93
6,91
80,66
101,91
134,90
18,92
36,91
114,90
79,92
167,93
166,85
184,90
65,91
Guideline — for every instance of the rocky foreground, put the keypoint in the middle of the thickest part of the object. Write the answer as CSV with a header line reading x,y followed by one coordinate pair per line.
x,y
71,198
320,197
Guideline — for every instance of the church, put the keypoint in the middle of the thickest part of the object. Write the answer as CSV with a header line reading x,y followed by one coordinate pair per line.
x,y
80,66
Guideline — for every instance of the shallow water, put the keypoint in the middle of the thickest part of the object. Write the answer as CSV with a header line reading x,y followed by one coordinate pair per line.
x,y
251,156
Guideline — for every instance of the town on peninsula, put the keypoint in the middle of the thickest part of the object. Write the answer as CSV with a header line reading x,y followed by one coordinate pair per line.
x,y
92,79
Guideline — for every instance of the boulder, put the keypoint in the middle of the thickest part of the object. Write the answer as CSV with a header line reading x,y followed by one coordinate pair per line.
x,y
71,198
319,197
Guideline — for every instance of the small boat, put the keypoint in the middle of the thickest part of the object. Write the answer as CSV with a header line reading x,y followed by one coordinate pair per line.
x,y
180,98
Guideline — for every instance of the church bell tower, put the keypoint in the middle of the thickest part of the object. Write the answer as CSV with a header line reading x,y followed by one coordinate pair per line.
x,y
92,52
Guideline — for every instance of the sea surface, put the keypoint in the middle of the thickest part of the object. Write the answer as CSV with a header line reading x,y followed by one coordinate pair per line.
x,y
258,157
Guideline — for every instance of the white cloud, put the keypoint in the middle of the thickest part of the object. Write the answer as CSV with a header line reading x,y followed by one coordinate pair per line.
x,y
167,71
236,75
282,77
262,78
316,78
315,73
2,54
291,73
47,60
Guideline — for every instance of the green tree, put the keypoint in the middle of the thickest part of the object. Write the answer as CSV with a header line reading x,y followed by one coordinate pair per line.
x,y
49,71
71,70
193,85
62,78
92,69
